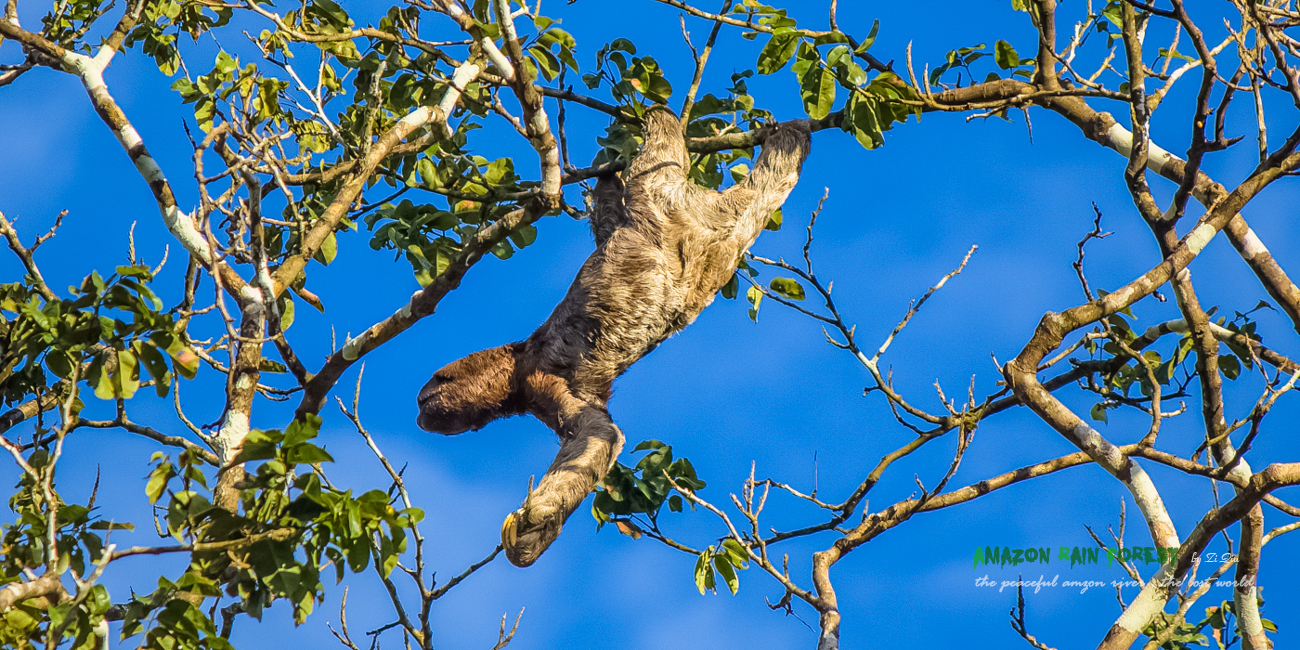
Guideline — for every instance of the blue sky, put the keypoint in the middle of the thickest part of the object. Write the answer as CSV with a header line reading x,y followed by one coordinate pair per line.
x,y
726,392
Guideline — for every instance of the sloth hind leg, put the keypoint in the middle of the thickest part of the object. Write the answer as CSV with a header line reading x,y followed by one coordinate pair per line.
x,y
589,444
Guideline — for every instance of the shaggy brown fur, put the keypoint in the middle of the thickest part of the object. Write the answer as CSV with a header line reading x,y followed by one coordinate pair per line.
x,y
664,248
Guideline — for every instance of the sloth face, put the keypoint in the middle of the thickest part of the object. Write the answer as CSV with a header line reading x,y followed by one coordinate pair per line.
x,y
468,393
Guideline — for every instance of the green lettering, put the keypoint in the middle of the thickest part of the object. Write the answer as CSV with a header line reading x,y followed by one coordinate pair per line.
x,y
1167,554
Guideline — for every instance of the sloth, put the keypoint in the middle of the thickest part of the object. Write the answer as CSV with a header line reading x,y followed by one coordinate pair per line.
x,y
664,248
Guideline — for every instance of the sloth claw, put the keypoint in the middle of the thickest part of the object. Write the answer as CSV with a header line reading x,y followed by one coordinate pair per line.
x,y
509,531
525,540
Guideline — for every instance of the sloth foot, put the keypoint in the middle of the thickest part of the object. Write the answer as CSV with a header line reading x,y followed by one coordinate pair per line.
x,y
525,535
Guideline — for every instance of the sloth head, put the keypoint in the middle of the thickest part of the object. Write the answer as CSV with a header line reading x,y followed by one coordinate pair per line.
x,y
469,393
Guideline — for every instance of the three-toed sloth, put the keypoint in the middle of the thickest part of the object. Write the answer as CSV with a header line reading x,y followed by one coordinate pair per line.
x,y
664,247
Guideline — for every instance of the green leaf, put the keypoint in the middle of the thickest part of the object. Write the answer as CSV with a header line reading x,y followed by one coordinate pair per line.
x,y
98,601
359,556
777,52
332,12
110,525
185,362
704,580
127,378
1005,55
328,249
787,288
259,445
838,54
731,288
850,74
828,38
806,59
522,236
59,363
645,77
1098,412
390,563
306,454
737,553
225,64
500,172
1214,617
755,297
300,431
428,173
547,64
1230,366
98,377
870,39
723,564
739,172
285,305
622,44
817,89
863,122
774,221
158,479
155,364
271,366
